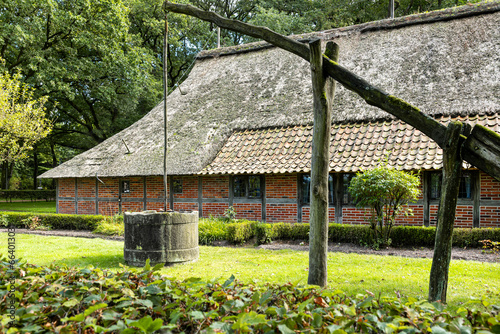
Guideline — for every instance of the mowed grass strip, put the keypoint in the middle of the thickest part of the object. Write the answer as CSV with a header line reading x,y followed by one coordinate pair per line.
x,y
350,273
28,206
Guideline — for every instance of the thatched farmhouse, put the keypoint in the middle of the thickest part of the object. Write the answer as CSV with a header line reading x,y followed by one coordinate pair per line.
x,y
240,127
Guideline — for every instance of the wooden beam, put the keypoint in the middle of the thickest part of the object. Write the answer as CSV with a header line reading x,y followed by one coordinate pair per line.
x,y
482,149
452,167
323,93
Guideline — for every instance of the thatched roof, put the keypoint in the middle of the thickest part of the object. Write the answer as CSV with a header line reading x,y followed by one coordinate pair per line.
x,y
445,62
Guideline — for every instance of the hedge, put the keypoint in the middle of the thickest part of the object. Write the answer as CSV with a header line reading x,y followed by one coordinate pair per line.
x,y
27,194
241,231
402,236
56,221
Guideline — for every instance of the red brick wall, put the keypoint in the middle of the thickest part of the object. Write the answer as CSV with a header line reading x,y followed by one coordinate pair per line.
x,y
189,187
186,206
109,187
108,208
353,215
67,207
158,206
154,187
281,186
214,209
136,187
86,187
306,214
490,187
66,187
417,219
132,206
250,211
215,187
286,213
86,207
490,191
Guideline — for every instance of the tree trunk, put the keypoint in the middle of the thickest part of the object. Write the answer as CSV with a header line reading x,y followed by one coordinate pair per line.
x,y
35,168
323,92
452,167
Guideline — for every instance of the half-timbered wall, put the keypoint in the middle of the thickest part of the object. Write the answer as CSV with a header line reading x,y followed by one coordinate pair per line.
x,y
279,201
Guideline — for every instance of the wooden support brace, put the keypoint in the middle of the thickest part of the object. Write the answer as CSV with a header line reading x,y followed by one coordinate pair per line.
x,y
452,167
323,92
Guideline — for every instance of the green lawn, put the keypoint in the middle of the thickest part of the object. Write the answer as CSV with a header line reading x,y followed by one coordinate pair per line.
x,y
350,273
28,206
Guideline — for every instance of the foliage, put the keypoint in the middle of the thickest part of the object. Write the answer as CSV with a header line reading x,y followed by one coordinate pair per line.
x,y
35,223
61,299
110,225
56,221
27,194
491,246
386,192
229,214
22,118
241,231
211,230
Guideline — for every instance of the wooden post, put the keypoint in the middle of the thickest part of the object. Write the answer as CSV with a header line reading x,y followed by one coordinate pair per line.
x,y
165,124
452,167
323,92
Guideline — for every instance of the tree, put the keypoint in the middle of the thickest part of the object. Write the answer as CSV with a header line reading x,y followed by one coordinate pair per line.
x,y
23,120
81,56
386,192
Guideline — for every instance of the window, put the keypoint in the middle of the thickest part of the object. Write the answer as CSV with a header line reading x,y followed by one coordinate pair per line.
x,y
435,185
346,181
125,187
305,186
465,188
247,186
177,186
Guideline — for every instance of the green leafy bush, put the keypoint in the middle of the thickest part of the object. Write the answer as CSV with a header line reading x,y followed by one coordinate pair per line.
x,y
386,192
211,230
111,225
56,221
71,300
241,232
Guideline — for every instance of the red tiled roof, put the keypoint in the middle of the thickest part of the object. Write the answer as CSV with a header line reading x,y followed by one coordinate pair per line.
x,y
354,147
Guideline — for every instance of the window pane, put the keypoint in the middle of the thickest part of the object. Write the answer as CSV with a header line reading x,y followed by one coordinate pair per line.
x,y
331,189
436,185
239,189
347,199
306,188
465,190
254,186
125,186
177,186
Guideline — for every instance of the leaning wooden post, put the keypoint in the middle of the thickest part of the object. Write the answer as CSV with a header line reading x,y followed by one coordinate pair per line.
x,y
452,167
323,92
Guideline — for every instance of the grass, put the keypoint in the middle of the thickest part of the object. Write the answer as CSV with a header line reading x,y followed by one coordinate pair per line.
x,y
351,273
28,206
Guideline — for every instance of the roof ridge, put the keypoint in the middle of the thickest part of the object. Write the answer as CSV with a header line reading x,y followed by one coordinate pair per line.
x,y
440,15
